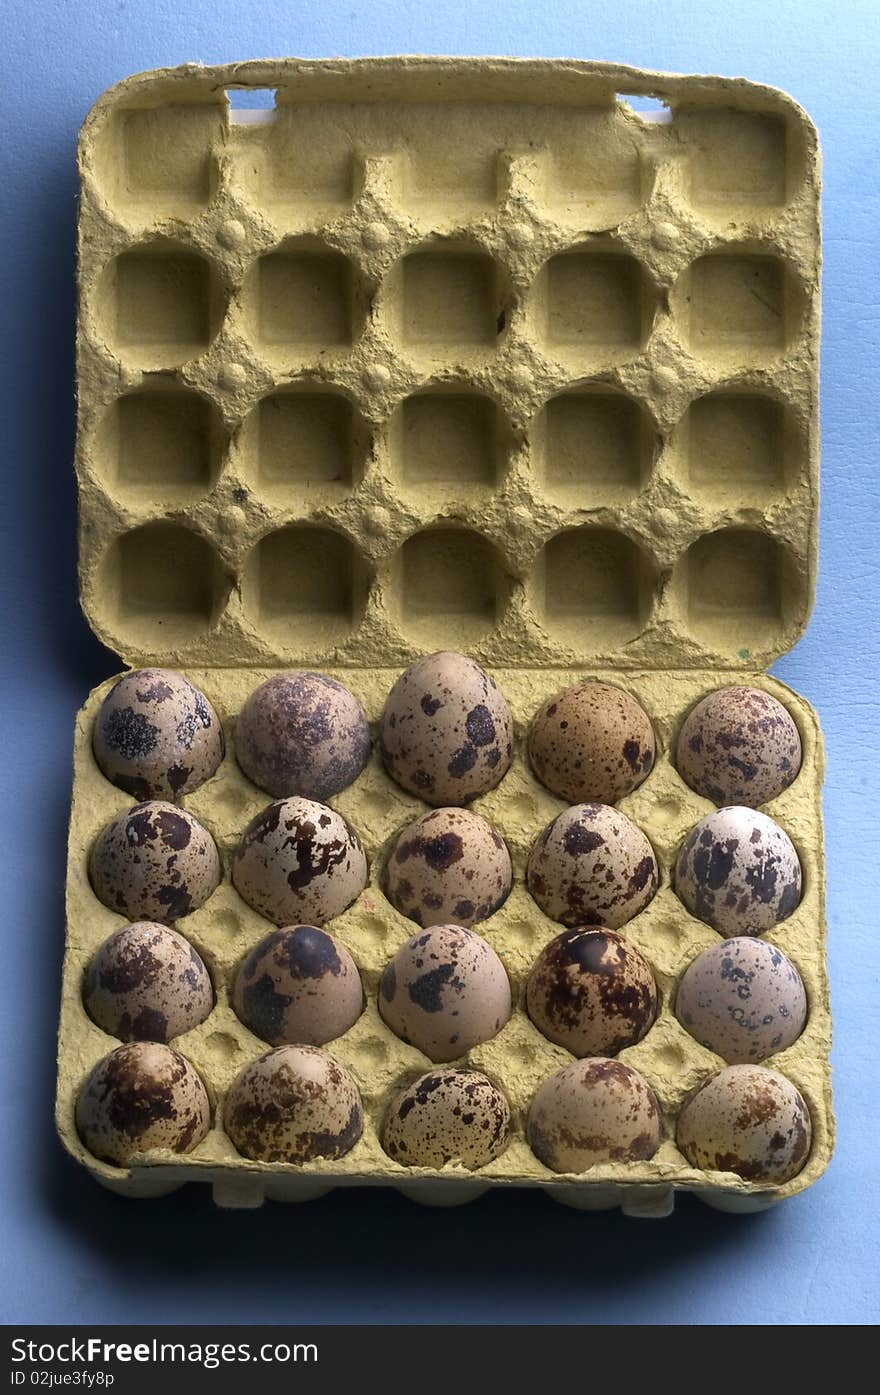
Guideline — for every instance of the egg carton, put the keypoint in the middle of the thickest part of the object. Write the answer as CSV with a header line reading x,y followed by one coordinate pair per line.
x,y
461,353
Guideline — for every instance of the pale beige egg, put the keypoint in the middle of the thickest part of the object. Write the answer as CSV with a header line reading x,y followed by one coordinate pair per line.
x,y
593,1111
748,1120
592,866
293,1105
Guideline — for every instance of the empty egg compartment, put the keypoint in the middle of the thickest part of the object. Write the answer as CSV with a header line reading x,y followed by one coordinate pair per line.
x,y
519,1058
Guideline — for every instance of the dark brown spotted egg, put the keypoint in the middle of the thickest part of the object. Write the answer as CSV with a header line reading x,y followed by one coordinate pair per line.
x,y
293,1105
142,1096
156,735
592,743
302,733
446,733
743,999
444,992
739,872
447,1116
593,1111
147,983
592,866
299,984
299,862
739,745
450,867
154,862
592,992
748,1120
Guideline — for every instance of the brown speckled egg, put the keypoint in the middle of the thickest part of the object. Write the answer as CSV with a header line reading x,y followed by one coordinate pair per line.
x,y
293,1105
302,733
445,991
743,999
147,983
450,867
156,736
142,1096
300,984
739,872
592,992
154,862
739,746
299,862
592,743
592,866
748,1120
446,733
447,1116
593,1111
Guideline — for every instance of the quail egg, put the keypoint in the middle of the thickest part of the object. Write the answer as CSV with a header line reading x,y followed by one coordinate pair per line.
x,y
742,999
450,867
592,992
592,866
293,1105
592,743
739,872
739,745
156,735
299,862
593,1111
748,1120
302,733
445,991
300,985
154,862
447,1116
143,1095
147,983
446,732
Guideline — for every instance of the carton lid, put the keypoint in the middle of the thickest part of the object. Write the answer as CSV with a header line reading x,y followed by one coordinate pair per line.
x,y
470,353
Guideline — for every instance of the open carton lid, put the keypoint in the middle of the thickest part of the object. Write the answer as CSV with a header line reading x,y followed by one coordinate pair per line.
x,y
447,353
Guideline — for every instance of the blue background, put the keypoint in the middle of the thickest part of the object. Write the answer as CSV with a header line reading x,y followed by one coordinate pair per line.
x,y
72,1253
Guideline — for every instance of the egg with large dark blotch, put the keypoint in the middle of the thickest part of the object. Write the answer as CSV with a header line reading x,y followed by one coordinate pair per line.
x,y
743,999
592,992
147,983
299,862
739,745
449,867
739,872
302,733
154,862
446,733
157,735
444,992
592,866
299,984
142,1096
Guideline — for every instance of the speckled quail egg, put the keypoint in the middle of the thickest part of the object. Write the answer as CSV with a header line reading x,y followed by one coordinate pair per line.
x,y
302,733
143,1095
743,999
450,867
447,1116
154,862
299,862
293,1105
592,866
593,1111
739,872
446,733
592,992
739,746
299,985
592,743
748,1120
445,991
156,736
147,983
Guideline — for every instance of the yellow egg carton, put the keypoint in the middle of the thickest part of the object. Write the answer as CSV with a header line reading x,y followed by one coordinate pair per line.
x,y
449,353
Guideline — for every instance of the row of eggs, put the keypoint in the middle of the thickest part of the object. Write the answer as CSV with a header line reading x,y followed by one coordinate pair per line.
x,y
446,735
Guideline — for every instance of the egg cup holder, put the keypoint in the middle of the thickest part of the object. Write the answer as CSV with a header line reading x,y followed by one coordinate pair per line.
x,y
449,353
